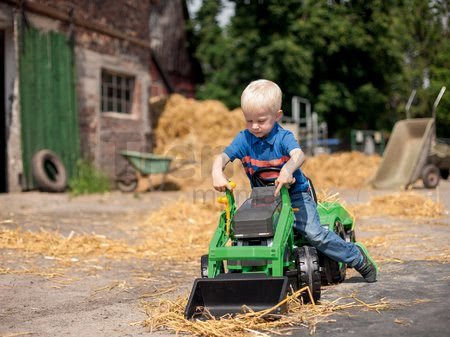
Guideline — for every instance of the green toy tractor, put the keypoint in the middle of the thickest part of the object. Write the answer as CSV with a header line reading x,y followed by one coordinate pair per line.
x,y
255,257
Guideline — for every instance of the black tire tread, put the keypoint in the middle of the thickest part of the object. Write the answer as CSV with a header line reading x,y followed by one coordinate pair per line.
x,y
309,261
43,182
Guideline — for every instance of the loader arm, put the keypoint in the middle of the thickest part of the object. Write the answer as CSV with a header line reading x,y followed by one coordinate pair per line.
x,y
283,238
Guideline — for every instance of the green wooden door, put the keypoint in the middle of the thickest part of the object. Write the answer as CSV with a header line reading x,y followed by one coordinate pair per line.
x,y
47,99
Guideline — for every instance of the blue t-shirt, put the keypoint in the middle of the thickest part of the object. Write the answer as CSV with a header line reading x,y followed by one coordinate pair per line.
x,y
271,151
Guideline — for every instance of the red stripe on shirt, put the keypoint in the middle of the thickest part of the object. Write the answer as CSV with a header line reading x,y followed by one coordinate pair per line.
x,y
249,170
265,163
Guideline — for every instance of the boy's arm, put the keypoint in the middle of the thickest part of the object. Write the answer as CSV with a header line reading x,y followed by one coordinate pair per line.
x,y
220,182
285,177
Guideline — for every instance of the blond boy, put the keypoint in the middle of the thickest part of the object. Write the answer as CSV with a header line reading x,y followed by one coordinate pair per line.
x,y
265,143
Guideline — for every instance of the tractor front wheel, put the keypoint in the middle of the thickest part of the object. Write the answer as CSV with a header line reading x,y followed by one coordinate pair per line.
x,y
308,272
204,266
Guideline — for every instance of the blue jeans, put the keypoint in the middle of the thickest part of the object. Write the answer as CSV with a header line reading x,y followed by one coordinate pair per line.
x,y
307,223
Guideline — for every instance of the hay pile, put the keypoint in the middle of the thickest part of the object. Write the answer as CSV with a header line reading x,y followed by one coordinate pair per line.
x,y
405,204
196,131
193,133
168,315
349,169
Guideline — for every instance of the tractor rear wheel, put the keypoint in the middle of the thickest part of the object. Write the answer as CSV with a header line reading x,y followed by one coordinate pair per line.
x,y
332,271
308,272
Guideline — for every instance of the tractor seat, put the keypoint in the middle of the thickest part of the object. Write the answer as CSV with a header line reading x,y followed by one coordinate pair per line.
x,y
258,215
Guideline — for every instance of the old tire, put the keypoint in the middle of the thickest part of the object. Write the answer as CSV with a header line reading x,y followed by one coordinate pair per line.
x,y
431,176
308,272
48,171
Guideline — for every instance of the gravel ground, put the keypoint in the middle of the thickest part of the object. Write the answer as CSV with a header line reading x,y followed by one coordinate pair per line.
x,y
102,298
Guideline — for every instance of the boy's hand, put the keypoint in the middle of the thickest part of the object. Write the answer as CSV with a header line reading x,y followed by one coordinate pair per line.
x,y
285,178
221,183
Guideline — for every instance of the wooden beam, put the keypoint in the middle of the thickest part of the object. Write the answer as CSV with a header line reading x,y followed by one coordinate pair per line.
x,y
65,17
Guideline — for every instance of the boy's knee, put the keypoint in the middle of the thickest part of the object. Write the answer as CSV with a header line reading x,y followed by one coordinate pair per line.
x,y
315,236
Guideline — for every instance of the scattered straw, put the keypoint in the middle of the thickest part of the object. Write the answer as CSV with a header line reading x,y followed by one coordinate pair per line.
x,y
443,257
405,204
116,285
52,245
178,230
348,169
169,315
24,271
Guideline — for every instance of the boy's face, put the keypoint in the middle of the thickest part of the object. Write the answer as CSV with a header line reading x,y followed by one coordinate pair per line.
x,y
260,122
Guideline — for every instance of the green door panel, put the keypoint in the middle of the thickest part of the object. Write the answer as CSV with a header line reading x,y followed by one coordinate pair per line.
x,y
49,117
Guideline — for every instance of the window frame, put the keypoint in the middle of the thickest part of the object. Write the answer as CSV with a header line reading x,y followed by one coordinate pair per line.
x,y
120,105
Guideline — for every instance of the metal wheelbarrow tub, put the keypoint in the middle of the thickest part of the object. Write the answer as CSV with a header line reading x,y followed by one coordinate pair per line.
x,y
406,153
231,293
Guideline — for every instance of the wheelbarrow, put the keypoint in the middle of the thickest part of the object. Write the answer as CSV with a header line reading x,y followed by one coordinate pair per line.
x,y
414,153
144,165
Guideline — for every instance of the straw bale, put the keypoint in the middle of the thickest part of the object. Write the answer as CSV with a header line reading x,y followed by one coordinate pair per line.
x,y
405,204
348,169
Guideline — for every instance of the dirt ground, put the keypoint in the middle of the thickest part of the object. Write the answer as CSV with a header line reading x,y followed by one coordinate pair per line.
x,y
103,296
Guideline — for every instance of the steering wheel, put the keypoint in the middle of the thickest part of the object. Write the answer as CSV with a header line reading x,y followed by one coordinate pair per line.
x,y
259,180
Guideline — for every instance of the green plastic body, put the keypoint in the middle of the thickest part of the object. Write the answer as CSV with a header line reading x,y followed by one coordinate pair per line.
x,y
221,247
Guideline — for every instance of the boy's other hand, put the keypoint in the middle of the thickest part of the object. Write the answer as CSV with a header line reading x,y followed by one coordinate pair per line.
x,y
221,183
285,178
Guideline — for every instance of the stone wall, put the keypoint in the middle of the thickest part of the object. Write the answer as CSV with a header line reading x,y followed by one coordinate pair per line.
x,y
104,134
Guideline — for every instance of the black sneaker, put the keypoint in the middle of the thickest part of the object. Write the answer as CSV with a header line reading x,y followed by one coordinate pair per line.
x,y
368,268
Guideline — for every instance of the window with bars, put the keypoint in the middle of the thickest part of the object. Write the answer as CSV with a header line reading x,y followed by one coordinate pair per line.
x,y
117,92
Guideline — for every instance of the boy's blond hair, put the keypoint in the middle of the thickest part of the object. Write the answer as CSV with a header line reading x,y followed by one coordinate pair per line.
x,y
261,95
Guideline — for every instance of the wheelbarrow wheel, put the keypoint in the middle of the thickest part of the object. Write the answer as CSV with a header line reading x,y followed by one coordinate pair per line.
x,y
431,176
127,185
308,272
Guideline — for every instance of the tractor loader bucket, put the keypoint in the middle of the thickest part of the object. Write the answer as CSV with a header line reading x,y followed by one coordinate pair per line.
x,y
228,293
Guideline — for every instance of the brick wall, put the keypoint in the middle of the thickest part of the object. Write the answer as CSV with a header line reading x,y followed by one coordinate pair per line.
x,y
104,134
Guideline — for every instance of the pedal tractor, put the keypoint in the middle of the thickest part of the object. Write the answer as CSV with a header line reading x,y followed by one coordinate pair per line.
x,y
255,257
